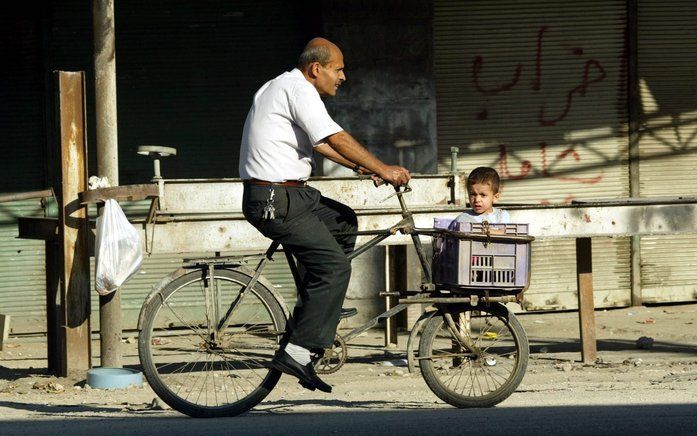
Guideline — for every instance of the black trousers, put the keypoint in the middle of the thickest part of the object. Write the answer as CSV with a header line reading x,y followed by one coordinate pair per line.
x,y
306,224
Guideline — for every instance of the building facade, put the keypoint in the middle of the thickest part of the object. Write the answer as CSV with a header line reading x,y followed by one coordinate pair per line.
x,y
568,100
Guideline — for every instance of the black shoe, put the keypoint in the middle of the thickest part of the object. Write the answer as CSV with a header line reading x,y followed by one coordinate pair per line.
x,y
306,374
348,312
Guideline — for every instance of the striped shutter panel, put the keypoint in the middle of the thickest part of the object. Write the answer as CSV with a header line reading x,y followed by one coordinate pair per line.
x,y
22,270
667,43
536,89
183,81
186,74
22,145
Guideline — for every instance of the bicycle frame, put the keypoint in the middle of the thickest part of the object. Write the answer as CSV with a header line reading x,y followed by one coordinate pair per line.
x,y
405,226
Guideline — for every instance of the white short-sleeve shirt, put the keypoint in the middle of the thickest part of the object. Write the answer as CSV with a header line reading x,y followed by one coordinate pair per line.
x,y
497,216
286,121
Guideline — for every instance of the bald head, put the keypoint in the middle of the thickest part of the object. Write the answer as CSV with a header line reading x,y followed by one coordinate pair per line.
x,y
317,50
322,64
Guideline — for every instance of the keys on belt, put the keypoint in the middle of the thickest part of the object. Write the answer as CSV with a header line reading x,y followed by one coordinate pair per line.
x,y
269,209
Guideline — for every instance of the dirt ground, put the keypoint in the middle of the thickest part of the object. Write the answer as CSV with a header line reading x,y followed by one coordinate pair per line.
x,y
661,368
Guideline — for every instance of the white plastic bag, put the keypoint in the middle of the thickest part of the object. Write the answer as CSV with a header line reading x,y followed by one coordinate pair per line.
x,y
118,249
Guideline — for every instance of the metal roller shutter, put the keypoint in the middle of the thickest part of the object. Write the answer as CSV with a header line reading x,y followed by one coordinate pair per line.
x,y
668,146
536,89
22,145
553,281
186,75
22,270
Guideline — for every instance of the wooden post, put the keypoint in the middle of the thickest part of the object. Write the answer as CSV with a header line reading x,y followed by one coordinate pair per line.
x,y
74,274
586,306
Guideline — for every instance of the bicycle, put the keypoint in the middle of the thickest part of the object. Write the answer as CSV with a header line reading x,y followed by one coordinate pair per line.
x,y
207,330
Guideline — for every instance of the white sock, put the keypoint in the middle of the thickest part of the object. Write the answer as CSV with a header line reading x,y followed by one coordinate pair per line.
x,y
298,353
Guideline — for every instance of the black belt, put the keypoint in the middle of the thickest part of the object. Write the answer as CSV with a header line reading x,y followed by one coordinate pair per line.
x,y
294,183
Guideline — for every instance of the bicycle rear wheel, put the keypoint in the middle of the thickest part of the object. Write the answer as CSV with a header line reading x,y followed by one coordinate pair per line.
x,y
485,368
193,369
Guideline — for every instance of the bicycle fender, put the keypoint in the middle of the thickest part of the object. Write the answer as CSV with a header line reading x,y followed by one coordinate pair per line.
x,y
157,289
415,330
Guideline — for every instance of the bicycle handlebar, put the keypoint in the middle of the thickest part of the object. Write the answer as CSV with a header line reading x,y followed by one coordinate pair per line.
x,y
378,181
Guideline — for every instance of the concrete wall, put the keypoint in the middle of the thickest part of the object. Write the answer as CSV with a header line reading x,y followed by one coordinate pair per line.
x,y
388,101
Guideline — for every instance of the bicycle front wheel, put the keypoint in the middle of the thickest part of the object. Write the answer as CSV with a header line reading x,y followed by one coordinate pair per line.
x,y
483,369
198,370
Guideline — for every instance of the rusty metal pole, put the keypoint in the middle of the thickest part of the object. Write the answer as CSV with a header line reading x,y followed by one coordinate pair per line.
x,y
74,265
107,160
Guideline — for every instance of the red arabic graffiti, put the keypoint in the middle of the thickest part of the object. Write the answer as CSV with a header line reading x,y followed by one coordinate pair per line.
x,y
536,84
592,72
526,166
567,200
476,69
580,89
538,60
561,156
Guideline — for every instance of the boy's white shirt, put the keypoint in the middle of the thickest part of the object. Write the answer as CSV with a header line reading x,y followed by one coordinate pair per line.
x,y
496,216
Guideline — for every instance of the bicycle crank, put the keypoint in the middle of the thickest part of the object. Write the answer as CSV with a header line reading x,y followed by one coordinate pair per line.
x,y
333,358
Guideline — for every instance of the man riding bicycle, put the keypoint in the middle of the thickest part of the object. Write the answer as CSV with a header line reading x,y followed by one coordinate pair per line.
x,y
286,123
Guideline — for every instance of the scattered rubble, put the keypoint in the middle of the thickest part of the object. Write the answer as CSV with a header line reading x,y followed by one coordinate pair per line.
x,y
633,361
49,386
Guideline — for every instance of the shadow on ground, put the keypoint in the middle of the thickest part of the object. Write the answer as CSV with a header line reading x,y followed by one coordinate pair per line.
x,y
578,420
18,373
571,345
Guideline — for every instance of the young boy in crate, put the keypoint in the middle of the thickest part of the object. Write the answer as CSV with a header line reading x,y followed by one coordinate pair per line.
x,y
483,192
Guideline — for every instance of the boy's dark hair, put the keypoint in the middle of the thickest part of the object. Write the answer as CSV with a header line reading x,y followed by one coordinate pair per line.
x,y
484,175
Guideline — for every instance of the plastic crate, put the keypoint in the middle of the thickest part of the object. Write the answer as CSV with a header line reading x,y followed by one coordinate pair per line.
x,y
468,264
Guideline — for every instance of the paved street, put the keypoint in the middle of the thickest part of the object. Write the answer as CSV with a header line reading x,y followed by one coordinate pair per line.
x,y
629,390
